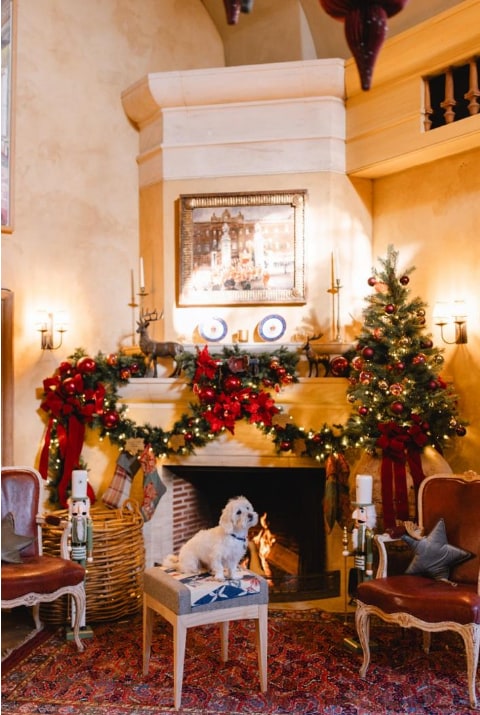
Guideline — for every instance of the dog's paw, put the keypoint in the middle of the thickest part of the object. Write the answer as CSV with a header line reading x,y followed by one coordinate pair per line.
x,y
218,576
236,574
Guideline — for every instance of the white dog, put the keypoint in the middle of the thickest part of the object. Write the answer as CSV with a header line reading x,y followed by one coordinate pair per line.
x,y
221,548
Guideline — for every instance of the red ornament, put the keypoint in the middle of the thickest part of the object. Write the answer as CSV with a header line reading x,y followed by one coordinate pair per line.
x,y
390,309
368,353
371,281
65,367
363,411
110,419
69,386
339,366
207,394
397,408
134,368
357,363
419,359
232,383
432,385
427,344
461,431
399,366
365,377
286,445
188,436
125,374
86,364
112,359
404,280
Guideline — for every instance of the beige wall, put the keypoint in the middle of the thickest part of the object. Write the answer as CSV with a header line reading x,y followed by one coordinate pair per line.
x,y
429,213
76,199
76,216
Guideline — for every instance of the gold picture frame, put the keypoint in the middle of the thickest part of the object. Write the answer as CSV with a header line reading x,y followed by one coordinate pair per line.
x,y
242,248
8,77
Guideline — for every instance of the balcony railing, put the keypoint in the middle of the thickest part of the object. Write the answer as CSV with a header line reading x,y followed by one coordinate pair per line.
x,y
451,95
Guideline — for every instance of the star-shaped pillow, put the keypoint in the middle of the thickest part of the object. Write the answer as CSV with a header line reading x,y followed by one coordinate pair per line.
x,y
12,543
434,556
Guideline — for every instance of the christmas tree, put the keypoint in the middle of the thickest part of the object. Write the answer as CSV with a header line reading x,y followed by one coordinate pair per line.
x,y
400,402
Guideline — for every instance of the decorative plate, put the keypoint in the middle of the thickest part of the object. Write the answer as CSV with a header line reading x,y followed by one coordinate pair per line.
x,y
214,329
272,327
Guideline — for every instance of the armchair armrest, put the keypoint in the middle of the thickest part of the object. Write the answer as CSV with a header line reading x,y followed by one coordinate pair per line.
x,y
62,524
381,540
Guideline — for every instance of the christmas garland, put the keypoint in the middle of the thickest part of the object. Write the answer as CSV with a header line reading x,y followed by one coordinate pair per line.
x,y
228,387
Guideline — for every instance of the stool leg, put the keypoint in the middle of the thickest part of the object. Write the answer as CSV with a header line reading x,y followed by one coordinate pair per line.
x,y
148,614
224,640
179,640
261,628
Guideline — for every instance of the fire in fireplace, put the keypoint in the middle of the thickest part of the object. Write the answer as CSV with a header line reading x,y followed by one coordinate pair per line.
x,y
289,504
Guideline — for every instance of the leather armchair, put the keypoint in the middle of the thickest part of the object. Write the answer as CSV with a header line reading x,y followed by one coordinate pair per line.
x,y
37,577
420,601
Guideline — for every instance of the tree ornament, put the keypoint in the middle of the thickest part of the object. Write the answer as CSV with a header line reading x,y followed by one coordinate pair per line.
x,y
65,367
396,389
125,374
365,377
112,359
339,366
419,359
368,353
404,280
232,383
383,384
363,411
390,309
357,363
397,407
399,366
371,281
432,385
70,386
461,431
426,344
285,445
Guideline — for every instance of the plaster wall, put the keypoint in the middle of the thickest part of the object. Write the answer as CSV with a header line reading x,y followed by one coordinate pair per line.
x,y
75,238
429,213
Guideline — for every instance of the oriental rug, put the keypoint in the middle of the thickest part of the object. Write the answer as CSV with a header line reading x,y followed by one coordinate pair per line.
x,y
311,672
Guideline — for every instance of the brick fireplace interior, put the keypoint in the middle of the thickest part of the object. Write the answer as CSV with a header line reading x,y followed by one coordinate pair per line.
x,y
291,499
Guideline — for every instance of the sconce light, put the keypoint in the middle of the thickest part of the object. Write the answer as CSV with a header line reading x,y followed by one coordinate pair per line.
x,y
48,324
447,313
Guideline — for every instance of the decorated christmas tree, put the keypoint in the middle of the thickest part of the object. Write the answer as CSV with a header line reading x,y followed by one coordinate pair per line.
x,y
401,403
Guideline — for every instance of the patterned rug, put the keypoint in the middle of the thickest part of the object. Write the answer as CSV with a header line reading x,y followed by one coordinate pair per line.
x,y
311,672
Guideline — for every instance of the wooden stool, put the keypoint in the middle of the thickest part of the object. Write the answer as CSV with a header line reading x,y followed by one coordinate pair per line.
x,y
167,596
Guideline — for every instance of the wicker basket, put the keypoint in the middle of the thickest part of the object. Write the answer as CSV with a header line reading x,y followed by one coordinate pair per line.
x,y
114,582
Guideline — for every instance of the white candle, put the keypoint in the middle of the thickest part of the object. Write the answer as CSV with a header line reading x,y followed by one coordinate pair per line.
x,y
79,483
364,488
142,276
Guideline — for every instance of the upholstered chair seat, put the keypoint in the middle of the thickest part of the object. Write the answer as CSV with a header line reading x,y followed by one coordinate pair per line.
x,y
39,574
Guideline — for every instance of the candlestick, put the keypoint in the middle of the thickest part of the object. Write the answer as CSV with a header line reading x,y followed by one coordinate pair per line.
x,y
142,277
338,337
364,485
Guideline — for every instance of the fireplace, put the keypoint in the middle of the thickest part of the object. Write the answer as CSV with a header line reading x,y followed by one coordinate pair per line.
x,y
290,499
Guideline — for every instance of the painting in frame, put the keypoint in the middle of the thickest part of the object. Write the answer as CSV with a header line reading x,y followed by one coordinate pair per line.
x,y
8,19
241,248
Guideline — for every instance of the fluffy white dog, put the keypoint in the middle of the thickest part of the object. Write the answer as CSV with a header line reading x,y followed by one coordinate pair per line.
x,y
221,548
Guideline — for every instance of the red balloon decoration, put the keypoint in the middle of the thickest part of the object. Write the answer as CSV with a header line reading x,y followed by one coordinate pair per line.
x,y
365,29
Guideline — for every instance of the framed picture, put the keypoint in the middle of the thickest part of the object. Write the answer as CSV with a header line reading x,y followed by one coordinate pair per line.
x,y
236,249
8,18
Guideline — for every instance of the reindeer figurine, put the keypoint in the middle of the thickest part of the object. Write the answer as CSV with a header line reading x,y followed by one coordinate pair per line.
x,y
153,349
314,358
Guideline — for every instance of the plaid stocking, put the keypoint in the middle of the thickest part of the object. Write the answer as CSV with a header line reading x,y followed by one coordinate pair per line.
x,y
153,487
119,490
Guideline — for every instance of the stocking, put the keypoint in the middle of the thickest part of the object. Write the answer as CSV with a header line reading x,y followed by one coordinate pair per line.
x,y
119,490
153,487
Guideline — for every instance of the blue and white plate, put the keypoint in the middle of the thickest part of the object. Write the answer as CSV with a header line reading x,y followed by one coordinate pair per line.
x,y
272,327
213,329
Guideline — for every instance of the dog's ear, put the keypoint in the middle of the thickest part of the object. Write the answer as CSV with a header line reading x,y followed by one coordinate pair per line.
x,y
226,517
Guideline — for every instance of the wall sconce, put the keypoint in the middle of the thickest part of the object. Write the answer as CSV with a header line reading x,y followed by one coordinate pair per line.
x,y
48,324
456,313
